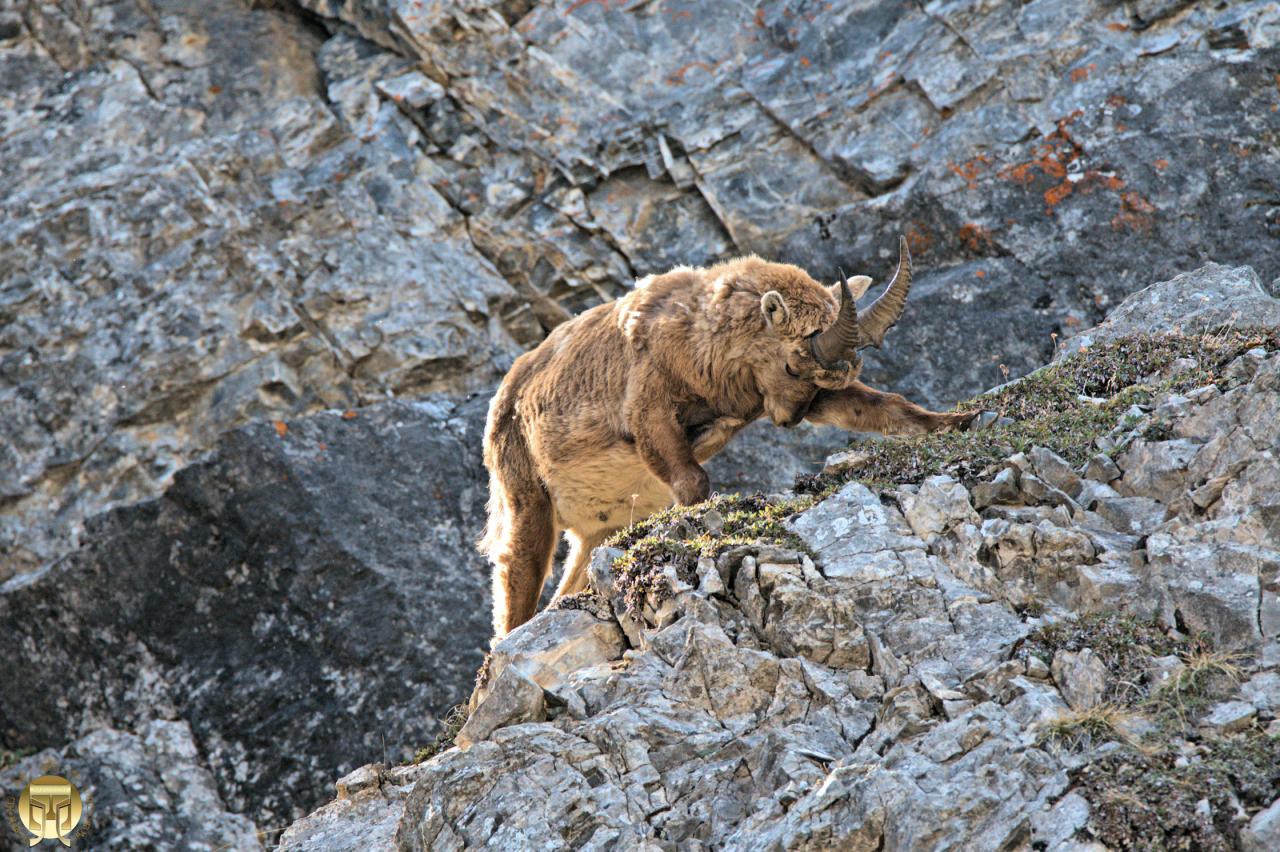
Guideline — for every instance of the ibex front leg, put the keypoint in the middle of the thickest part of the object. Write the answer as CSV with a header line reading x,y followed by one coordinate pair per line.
x,y
859,408
663,445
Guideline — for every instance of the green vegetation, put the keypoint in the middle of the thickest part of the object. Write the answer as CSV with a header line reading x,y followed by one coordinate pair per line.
x,y
678,537
1122,642
1147,799
1063,407
449,727
1147,793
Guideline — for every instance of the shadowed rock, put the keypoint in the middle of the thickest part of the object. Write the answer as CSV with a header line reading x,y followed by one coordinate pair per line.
x,y
287,598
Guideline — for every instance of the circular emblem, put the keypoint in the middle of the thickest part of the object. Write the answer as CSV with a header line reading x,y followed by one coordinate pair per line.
x,y
50,809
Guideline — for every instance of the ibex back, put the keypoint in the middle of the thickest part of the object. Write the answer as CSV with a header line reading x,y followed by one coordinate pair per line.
x,y
610,418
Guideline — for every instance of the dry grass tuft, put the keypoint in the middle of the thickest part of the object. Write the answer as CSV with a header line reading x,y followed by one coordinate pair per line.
x,y
1076,729
1206,676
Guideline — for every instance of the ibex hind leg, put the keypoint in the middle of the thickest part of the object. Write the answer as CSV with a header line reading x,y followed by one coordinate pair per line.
x,y
575,576
521,552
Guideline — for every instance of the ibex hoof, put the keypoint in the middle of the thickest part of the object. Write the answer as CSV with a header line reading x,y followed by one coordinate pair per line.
x,y
693,488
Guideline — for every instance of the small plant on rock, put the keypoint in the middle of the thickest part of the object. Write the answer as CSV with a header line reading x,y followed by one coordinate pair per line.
x,y
1205,676
1123,642
449,727
677,538
1156,799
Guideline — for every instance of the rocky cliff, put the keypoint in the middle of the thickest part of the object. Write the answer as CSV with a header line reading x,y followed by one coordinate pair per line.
x,y
329,226
220,211
1073,646
276,612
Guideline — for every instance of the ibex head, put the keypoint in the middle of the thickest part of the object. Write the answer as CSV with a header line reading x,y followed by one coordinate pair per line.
x,y
820,347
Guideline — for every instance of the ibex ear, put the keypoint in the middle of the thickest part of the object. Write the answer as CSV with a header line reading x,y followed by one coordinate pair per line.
x,y
774,307
858,285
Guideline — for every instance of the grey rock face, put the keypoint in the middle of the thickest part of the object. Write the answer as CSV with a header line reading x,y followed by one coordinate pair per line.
x,y
364,816
767,459
145,789
404,196
221,212
192,240
285,599
643,749
1003,488
513,697
940,504
1209,297
1051,468
1263,831
1230,716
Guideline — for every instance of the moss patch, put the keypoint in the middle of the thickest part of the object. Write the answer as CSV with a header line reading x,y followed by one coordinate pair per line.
x,y
1125,644
677,538
587,600
1146,800
1063,407
1147,794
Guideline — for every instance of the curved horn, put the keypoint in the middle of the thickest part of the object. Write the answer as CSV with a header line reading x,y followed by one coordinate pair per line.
x,y
842,337
886,309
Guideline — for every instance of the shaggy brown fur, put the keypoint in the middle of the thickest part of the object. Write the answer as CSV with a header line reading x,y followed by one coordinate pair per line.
x,y
610,418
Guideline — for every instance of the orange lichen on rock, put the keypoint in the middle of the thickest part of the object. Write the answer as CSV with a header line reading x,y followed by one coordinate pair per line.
x,y
875,90
1091,180
918,238
676,78
1135,214
578,4
1094,180
1051,159
969,170
1051,156
1054,194
975,238
1083,72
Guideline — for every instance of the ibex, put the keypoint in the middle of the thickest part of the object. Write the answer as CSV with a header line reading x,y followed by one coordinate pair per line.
x,y
609,419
